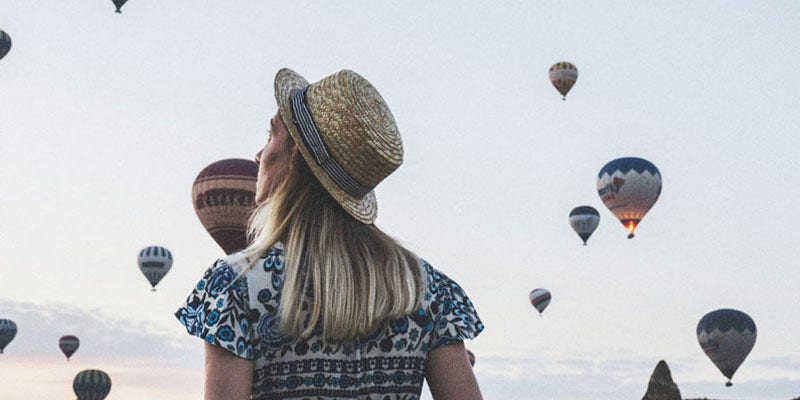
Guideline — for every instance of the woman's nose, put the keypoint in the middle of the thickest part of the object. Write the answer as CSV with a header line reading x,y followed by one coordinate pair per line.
x,y
258,156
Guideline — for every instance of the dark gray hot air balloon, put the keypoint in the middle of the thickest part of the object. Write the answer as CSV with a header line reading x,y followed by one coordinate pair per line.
x,y
8,329
69,345
91,384
5,44
119,4
584,220
726,336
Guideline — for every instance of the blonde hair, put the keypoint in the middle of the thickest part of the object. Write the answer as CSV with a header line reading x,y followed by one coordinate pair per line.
x,y
352,275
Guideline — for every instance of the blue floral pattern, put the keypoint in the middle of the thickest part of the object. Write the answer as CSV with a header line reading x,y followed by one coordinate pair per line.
x,y
240,314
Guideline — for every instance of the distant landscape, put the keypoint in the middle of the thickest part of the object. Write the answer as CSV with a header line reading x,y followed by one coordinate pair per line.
x,y
704,398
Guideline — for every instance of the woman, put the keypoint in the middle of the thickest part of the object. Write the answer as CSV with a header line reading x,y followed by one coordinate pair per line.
x,y
323,304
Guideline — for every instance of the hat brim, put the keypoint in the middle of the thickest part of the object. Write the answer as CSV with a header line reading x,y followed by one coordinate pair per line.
x,y
364,209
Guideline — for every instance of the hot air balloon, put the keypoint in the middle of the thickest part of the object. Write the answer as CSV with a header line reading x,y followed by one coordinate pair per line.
x,y
8,329
584,220
119,4
91,384
540,299
224,197
471,357
68,345
726,336
155,262
5,44
563,75
629,186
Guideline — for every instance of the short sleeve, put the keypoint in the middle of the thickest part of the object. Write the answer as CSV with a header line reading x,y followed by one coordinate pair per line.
x,y
454,316
217,310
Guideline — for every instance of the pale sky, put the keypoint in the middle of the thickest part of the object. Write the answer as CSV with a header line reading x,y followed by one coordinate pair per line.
x,y
106,119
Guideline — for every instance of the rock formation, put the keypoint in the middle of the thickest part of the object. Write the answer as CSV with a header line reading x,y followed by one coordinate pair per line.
x,y
661,385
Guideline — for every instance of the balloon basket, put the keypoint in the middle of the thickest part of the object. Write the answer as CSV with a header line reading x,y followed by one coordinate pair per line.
x,y
728,384
153,289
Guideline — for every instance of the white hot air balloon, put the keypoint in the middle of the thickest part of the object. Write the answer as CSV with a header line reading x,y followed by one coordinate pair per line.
x,y
629,187
584,220
155,262
563,76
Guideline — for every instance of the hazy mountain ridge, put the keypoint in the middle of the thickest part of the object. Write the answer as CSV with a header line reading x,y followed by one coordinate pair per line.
x,y
705,398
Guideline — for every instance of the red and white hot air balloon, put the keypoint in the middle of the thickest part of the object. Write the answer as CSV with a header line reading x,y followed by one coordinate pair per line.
x,y
224,197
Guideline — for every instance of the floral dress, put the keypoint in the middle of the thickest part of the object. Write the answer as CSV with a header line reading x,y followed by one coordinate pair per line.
x,y
241,315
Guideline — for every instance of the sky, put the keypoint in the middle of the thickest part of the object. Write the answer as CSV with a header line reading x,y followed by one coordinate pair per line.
x,y
106,119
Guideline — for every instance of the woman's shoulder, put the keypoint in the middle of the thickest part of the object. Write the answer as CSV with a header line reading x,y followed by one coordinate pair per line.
x,y
436,281
244,260
235,261
452,314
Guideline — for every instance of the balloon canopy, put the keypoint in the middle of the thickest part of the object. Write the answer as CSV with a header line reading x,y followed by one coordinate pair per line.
x,y
726,336
91,384
224,197
68,345
584,220
540,299
563,76
629,187
5,44
155,262
8,329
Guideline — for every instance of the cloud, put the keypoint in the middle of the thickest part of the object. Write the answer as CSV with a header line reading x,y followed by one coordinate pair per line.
x,y
142,360
102,336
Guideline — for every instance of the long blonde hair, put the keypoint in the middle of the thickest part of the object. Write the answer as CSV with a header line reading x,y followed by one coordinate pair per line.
x,y
353,276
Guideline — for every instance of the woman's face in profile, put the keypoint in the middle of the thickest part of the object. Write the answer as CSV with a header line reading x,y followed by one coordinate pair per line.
x,y
273,160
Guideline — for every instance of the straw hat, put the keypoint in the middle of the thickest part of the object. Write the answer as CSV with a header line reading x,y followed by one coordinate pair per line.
x,y
346,134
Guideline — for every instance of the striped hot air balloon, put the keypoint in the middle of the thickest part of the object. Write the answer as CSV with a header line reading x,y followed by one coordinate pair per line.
x,y
629,187
726,336
8,329
5,44
118,4
91,384
155,262
584,220
563,76
68,345
540,299
224,197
